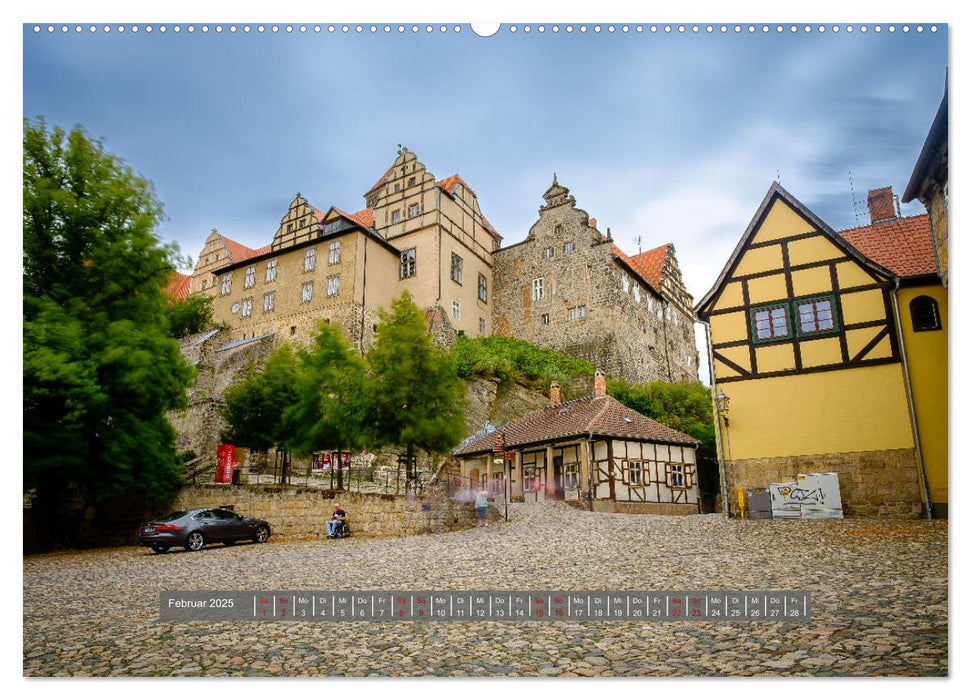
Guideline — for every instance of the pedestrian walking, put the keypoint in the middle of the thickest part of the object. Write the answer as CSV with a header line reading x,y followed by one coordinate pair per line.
x,y
482,506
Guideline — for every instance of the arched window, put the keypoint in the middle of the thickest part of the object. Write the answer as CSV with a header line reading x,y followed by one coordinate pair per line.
x,y
924,314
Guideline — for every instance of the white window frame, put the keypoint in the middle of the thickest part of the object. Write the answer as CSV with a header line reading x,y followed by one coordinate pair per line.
x,y
571,476
483,288
456,273
568,247
408,263
635,473
333,285
548,253
395,216
271,270
637,293
414,210
334,253
310,259
307,292
677,475
247,308
456,310
625,281
227,285
249,278
538,290
269,300
482,326
545,319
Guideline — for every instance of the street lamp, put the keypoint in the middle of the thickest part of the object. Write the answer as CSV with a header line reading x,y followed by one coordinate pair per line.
x,y
721,403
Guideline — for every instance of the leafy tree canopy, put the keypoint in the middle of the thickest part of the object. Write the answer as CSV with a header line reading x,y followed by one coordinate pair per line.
x,y
416,395
511,359
100,369
684,406
255,406
190,315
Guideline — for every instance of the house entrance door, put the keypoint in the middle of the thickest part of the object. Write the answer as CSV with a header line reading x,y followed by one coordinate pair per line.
x,y
558,478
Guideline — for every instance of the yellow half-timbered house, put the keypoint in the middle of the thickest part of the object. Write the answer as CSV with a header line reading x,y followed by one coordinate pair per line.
x,y
822,361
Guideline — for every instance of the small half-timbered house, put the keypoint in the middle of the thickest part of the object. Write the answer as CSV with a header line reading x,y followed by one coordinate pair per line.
x,y
592,451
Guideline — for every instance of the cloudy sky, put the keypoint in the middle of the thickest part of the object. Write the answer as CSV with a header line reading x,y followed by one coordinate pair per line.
x,y
669,137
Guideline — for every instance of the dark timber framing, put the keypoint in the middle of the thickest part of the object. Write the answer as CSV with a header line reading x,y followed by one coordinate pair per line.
x,y
881,281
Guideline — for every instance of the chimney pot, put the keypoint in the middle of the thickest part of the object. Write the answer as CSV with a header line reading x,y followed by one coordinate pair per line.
x,y
555,393
881,206
599,384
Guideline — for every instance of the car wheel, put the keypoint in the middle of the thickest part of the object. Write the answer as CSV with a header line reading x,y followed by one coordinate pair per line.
x,y
160,548
195,541
262,534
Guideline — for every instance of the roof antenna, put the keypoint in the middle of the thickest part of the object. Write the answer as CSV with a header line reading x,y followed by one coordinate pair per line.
x,y
638,245
778,175
856,214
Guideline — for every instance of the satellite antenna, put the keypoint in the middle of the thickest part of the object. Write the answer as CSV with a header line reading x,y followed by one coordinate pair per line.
x,y
638,245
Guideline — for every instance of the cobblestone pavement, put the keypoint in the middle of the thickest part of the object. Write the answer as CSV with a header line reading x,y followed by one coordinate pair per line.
x,y
879,601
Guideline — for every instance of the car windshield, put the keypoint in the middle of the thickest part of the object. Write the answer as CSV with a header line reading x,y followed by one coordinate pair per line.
x,y
171,516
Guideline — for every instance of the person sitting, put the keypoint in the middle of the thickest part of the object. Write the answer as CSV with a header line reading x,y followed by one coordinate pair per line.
x,y
338,517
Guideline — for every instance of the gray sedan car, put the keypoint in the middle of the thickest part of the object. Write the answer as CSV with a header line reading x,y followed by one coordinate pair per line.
x,y
194,529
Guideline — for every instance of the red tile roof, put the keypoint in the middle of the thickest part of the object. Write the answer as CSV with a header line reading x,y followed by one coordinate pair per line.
x,y
239,252
365,217
602,416
178,286
449,183
903,246
381,181
650,264
646,273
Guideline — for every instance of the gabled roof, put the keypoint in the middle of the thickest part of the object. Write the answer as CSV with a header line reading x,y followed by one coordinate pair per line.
x,y
449,183
777,192
364,218
650,264
239,252
903,246
381,181
178,286
937,133
638,270
602,416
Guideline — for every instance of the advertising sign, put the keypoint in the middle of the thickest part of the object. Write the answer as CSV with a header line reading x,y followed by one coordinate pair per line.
x,y
225,458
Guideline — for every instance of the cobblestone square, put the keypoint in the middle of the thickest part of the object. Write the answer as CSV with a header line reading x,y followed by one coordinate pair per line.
x,y
879,601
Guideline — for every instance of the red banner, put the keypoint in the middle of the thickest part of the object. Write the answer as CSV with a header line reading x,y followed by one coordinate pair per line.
x,y
225,459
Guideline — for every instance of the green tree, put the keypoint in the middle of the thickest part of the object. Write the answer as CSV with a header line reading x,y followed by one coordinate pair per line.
x,y
100,370
190,315
255,407
330,410
416,396
684,406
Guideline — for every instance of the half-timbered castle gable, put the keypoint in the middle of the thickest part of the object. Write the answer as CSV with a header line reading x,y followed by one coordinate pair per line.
x,y
795,297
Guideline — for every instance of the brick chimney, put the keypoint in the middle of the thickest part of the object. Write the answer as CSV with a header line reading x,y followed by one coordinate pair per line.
x,y
880,203
555,393
599,384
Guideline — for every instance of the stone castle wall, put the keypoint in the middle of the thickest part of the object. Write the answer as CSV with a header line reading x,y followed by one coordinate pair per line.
x,y
872,484
295,512
619,333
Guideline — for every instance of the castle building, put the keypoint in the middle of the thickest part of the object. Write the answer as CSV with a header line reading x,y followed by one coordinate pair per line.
x,y
416,234
570,288
567,286
829,353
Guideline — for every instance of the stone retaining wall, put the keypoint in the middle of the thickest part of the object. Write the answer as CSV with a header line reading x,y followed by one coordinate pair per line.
x,y
296,512
881,484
